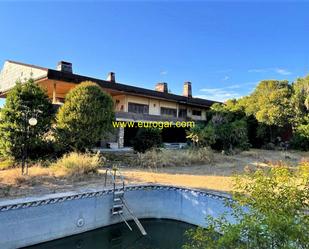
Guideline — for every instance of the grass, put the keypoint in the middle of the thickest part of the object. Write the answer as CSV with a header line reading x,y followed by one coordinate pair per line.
x,y
77,164
170,158
69,170
201,169
190,180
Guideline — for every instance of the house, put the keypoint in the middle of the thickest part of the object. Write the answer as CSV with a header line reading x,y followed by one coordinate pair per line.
x,y
132,104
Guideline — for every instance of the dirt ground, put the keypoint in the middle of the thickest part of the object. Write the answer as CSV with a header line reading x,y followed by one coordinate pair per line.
x,y
217,176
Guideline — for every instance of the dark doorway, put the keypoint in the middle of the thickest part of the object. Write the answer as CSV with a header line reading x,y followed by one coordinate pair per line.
x,y
169,135
129,135
174,135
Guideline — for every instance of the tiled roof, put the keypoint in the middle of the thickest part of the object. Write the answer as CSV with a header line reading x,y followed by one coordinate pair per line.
x,y
75,78
27,65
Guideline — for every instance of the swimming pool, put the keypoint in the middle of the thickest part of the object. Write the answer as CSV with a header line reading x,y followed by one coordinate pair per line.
x,y
161,234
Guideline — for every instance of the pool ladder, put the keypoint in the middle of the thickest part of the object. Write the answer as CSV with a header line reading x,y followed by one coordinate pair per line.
x,y
119,202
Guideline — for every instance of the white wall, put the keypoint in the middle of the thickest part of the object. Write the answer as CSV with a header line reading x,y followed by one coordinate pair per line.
x,y
12,72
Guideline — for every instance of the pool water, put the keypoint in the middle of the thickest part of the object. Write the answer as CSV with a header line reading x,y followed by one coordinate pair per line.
x,y
161,234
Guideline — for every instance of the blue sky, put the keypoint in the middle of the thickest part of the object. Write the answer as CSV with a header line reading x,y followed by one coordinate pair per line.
x,y
223,48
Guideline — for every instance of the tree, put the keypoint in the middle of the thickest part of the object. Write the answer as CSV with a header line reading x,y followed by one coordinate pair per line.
x,y
84,118
300,102
270,103
17,138
300,99
270,212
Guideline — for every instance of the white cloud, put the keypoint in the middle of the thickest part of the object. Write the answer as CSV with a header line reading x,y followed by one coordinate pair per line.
x,y
234,86
282,71
277,70
224,93
219,94
163,72
258,70
242,85
226,78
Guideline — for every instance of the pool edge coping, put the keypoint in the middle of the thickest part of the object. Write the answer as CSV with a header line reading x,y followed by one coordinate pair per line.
x,y
34,201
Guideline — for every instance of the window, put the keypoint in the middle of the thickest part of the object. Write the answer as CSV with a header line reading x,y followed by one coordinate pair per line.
x,y
196,112
138,108
182,113
168,111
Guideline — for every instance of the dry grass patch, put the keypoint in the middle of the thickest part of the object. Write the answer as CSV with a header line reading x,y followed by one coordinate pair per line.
x,y
205,182
14,177
77,165
171,158
205,170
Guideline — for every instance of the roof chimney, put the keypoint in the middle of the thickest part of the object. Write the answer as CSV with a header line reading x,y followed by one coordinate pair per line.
x,y
187,89
65,66
161,87
111,77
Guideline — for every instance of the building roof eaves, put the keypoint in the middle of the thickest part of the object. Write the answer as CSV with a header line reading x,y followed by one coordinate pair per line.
x,y
75,78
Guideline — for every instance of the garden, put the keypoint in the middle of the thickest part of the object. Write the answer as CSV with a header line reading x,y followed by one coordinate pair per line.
x,y
255,148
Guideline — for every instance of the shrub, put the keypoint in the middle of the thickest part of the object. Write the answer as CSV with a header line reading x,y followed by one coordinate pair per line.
x,y
299,142
6,164
270,211
300,138
76,164
168,158
147,139
85,118
221,133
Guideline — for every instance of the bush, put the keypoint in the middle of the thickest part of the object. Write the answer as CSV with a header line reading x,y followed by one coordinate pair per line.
x,y
85,118
76,164
300,138
168,158
222,134
299,142
270,211
147,139
6,164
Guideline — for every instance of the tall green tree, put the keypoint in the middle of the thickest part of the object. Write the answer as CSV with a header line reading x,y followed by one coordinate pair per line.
x,y
300,120
270,103
300,99
85,118
17,138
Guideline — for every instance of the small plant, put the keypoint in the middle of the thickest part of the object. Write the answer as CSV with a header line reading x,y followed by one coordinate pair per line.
x,y
77,164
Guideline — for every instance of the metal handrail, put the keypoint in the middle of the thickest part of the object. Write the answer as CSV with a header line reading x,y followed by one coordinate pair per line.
x,y
113,174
